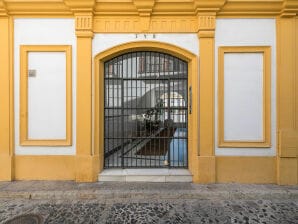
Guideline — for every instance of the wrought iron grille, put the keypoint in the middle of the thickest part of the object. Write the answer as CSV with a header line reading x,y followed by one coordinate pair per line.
x,y
145,111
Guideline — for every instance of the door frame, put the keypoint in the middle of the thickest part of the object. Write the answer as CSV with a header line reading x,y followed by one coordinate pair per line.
x,y
98,102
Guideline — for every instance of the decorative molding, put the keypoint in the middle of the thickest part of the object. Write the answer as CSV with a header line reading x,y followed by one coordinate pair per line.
x,y
208,6
238,143
206,26
84,24
24,51
37,8
116,8
206,22
288,143
144,8
134,25
178,24
289,9
3,10
114,25
80,5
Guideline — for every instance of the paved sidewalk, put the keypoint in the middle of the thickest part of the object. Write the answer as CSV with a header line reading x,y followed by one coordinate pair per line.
x,y
114,202
138,190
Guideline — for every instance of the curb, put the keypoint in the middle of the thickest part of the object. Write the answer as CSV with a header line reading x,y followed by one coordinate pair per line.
x,y
152,195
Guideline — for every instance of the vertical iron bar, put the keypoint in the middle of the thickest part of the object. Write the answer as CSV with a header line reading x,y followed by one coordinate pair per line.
x,y
122,113
106,100
113,112
132,100
137,97
165,84
186,114
169,118
150,102
159,94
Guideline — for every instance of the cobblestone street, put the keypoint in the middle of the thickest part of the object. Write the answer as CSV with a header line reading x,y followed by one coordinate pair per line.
x,y
108,204
170,211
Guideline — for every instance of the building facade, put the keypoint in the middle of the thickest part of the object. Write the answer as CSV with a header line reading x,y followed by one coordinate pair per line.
x,y
205,85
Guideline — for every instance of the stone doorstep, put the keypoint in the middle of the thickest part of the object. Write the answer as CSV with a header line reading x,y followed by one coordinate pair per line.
x,y
146,175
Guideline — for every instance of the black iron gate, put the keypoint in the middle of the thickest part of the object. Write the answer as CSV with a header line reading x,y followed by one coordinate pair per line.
x,y
145,111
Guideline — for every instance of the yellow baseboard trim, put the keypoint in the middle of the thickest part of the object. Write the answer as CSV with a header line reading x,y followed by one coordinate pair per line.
x,y
87,168
6,171
245,169
206,169
44,167
287,171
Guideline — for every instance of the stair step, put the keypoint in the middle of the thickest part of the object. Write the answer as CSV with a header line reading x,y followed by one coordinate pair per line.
x,y
145,175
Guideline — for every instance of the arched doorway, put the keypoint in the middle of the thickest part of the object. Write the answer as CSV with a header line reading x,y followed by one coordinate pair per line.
x,y
99,95
146,104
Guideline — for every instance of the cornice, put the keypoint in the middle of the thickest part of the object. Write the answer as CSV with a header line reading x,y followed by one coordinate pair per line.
x,y
208,6
251,8
143,8
37,7
3,10
290,8
80,5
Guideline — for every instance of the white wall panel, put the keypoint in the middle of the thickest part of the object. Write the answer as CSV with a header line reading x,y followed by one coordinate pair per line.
x,y
44,32
245,32
47,95
103,42
243,96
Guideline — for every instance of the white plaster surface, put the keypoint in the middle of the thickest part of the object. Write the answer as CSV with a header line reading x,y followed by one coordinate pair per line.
x,y
103,42
243,96
247,32
29,31
47,95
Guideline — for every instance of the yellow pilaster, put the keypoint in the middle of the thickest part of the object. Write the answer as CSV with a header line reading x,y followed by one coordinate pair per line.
x,y
287,99
87,164
206,159
6,158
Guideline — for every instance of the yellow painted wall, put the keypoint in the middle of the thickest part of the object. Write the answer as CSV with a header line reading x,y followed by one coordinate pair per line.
x,y
44,167
245,169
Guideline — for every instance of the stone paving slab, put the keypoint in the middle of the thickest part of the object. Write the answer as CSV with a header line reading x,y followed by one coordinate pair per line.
x,y
111,190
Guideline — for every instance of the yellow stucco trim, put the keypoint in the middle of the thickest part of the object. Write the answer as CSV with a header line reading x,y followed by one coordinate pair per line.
x,y
6,87
147,8
86,161
287,99
250,169
44,167
143,46
11,88
205,148
265,142
228,168
24,51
